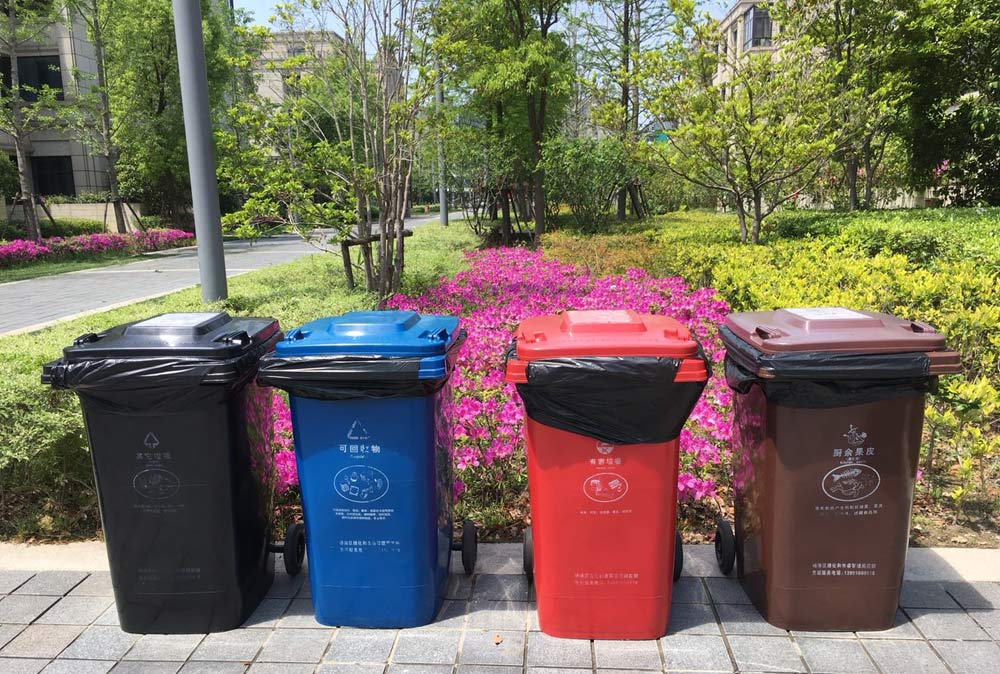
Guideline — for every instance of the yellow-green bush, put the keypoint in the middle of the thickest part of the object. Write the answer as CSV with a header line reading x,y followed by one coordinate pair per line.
x,y
940,267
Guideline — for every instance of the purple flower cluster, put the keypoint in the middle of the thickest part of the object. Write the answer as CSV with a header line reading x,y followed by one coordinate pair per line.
x,y
502,287
22,251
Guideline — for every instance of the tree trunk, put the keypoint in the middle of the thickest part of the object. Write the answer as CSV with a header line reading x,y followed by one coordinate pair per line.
x,y
637,210
741,216
21,150
505,228
867,153
110,150
757,218
622,203
851,177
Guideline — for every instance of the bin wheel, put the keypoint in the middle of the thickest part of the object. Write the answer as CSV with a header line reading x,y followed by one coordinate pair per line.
x,y
470,545
528,556
678,556
725,546
294,549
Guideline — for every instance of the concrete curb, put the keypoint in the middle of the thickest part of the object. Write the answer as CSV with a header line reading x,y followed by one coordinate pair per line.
x,y
922,564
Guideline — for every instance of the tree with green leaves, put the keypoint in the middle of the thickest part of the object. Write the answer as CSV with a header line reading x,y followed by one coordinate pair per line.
x,y
616,35
25,109
756,128
952,123
144,97
863,40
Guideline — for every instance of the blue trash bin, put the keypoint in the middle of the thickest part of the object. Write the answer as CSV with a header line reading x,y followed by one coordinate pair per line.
x,y
372,447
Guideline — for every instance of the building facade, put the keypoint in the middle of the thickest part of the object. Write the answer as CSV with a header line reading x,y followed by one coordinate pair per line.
x,y
747,26
60,164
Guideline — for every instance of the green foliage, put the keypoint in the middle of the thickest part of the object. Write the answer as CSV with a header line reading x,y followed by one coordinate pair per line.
x,y
758,127
284,174
45,475
937,266
585,174
145,97
61,227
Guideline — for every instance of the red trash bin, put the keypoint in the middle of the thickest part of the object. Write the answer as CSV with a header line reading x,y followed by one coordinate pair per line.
x,y
606,394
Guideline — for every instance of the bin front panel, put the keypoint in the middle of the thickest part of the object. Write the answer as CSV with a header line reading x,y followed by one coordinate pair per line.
x,y
603,520
823,500
376,494
185,501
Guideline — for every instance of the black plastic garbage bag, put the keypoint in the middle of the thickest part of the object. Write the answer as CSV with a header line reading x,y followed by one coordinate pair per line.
x,y
616,399
825,379
354,377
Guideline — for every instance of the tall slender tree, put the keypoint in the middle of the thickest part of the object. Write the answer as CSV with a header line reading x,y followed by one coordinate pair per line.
x,y
26,109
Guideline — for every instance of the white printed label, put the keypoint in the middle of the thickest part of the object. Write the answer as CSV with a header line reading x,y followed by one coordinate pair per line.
x,y
825,313
851,482
361,484
605,487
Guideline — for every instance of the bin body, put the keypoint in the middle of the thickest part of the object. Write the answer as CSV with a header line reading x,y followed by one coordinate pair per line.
x,y
373,455
183,468
603,511
824,469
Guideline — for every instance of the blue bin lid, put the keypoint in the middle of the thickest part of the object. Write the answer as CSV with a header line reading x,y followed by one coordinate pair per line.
x,y
390,334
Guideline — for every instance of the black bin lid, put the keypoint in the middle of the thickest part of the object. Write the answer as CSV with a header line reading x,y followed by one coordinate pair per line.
x,y
202,335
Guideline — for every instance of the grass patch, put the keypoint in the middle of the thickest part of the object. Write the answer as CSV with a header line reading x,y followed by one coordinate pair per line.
x,y
46,487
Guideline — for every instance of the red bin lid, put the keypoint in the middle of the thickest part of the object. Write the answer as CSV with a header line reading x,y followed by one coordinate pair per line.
x,y
832,329
603,333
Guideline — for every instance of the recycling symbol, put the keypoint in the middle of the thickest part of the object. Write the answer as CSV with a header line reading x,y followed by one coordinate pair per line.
x,y
358,431
151,441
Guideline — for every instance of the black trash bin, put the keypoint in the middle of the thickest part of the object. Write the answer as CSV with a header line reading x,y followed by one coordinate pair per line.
x,y
180,437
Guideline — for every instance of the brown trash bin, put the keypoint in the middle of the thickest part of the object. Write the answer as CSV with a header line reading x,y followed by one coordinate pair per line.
x,y
828,415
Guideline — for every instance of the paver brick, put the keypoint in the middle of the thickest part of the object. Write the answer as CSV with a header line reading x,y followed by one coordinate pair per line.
x,y
22,665
745,619
904,657
234,646
295,645
79,667
21,610
836,656
548,651
426,646
52,583
945,624
300,615
971,657
97,584
925,594
359,646
765,654
41,641
165,647
101,642
492,647
694,651
501,587
13,579
74,610
497,615
643,655
138,667
689,590
213,668
726,591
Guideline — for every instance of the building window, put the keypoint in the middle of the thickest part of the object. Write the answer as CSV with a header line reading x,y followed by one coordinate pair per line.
x,y
734,34
756,28
34,72
53,175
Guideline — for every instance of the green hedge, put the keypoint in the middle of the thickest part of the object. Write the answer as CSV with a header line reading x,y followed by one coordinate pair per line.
x,y
46,487
61,227
937,266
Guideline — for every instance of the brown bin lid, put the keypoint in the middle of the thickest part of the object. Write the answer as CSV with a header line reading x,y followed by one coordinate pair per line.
x,y
832,329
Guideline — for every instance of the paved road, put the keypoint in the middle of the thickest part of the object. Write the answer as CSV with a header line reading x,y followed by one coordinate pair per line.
x,y
64,622
35,303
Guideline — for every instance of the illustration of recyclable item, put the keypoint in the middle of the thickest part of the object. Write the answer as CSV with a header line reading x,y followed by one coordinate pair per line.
x,y
606,394
829,410
180,437
368,392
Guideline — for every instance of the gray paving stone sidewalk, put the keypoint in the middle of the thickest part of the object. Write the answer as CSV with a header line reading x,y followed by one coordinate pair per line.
x,y
58,622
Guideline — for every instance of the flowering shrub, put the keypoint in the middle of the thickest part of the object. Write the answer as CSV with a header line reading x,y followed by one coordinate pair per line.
x,y
502,287
22,251
286,475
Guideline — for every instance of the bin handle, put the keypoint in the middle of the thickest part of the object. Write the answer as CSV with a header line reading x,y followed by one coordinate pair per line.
x,y
767,332
86,338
